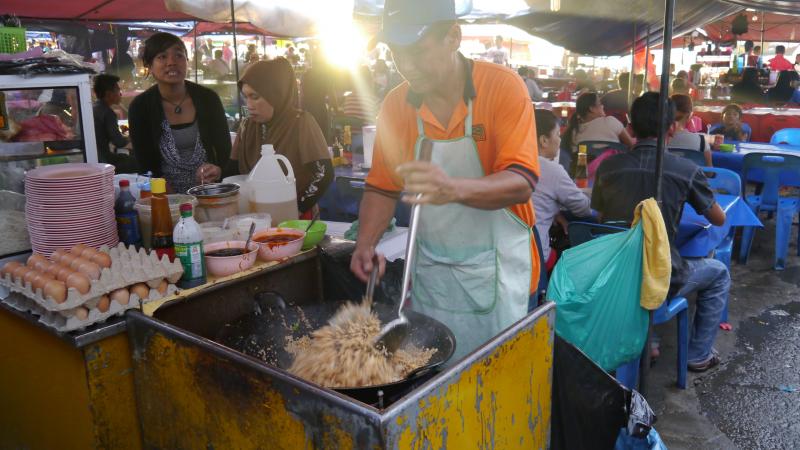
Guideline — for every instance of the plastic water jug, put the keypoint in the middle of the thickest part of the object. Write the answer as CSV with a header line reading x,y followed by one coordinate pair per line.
x,y
271,189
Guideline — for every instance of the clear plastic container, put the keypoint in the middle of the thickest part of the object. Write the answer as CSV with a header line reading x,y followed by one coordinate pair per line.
x,y
240,225
142,207
213,232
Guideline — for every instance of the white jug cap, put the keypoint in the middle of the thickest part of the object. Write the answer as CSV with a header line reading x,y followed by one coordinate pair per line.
x,y
267,149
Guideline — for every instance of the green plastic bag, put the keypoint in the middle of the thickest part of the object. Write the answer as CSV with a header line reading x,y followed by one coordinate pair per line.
x,y
596,287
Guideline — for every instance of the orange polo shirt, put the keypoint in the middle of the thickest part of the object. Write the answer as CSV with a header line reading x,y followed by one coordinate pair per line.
x,y
503,128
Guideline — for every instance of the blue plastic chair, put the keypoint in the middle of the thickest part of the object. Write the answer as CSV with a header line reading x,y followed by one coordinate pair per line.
x,y
789,136
696,157
773,165
628,373
724,181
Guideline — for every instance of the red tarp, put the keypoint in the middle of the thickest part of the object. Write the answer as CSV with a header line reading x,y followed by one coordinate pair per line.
x,y
104,10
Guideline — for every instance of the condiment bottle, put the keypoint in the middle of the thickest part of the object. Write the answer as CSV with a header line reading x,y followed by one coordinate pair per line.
x,y
581,174
144,187
347,140
127,218
161,237
188,237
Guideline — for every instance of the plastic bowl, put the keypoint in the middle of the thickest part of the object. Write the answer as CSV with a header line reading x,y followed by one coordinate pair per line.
x,y
728,148
222,266
313,236
276,251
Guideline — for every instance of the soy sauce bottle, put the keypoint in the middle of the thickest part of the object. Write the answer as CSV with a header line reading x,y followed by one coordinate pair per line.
x,y
161,238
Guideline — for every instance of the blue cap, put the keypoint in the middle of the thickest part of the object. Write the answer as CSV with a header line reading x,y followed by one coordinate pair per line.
x,y
406,21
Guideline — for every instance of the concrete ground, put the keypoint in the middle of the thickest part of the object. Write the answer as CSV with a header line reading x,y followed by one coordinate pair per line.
x,y
752,400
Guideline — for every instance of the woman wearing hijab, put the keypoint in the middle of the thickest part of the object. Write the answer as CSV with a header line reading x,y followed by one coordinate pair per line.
x,y
748,90
270,91
785,91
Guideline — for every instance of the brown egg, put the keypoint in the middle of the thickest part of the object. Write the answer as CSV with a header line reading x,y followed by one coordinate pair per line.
x,y
63,273
29,276
101,259
53,270
56,290
40,280
162,287
121,296
89,269
77,249
104,303
66,259
81,313
36,258
78,281
88,252
9,267
56,256
19,273
75,263
141,290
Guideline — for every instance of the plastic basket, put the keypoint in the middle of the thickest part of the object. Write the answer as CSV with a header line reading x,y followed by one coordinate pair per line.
x,y
12,40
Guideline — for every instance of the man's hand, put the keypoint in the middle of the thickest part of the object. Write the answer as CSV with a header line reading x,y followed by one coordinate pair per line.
x,y
428,179
363,260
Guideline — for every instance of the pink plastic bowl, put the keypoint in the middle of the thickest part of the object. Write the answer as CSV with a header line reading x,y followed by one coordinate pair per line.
x,y
270,251
222,266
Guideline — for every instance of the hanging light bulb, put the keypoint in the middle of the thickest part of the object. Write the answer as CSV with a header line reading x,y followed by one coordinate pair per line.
x,y
755,18
555,5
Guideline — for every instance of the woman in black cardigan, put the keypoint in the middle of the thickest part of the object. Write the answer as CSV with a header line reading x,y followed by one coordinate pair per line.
x,y
178,128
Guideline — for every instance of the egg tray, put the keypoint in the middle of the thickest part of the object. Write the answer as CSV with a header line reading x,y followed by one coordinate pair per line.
x,y
65,321
129,267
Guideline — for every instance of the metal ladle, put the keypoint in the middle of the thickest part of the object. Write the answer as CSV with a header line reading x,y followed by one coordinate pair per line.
x,y
394,333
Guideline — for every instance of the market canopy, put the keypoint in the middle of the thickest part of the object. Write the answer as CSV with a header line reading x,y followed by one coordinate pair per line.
x,y
777,6
777,27
99,10
584,26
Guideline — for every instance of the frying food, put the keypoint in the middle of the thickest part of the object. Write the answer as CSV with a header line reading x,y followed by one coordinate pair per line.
x,y
341,353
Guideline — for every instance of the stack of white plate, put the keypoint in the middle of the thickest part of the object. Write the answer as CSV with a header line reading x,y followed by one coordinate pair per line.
x,y
68,204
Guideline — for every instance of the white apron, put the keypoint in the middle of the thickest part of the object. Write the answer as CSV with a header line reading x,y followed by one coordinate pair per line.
x,y
473,267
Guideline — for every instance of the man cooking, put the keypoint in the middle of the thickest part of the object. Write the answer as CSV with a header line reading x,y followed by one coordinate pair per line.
x,y
477,262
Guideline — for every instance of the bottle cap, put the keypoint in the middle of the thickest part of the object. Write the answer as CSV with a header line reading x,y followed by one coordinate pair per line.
x,y
186,207
124,183
158,186
267,149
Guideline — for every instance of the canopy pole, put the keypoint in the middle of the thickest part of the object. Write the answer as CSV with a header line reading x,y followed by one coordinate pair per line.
x,y
669,10
762,36
632,77
236,61
196,64
647,57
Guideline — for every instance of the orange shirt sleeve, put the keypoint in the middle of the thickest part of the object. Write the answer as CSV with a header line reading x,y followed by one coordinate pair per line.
x,y
394,143
514,129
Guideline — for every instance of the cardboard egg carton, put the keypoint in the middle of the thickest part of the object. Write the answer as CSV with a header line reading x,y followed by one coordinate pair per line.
x,y
65,321
128,267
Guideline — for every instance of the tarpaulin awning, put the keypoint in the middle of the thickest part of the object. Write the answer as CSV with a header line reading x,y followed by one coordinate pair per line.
x,y
100,10
227,28
777,27
778,6
584,26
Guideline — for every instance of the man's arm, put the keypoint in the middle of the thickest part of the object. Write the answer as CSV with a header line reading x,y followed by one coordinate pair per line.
x,y
375,212
112,130
496,191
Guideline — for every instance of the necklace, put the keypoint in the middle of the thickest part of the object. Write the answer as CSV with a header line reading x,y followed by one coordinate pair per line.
x,y
177,106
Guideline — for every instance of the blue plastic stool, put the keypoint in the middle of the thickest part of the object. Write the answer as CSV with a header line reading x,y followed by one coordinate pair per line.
x,y
789,136
628,374
773,165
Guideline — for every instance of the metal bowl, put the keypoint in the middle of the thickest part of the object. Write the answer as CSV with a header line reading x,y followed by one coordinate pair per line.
x,y
214,190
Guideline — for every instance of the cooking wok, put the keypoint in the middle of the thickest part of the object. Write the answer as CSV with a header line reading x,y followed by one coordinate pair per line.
x,y
265,333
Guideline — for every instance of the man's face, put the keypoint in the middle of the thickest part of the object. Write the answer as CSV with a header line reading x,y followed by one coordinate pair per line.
x,y
427,64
